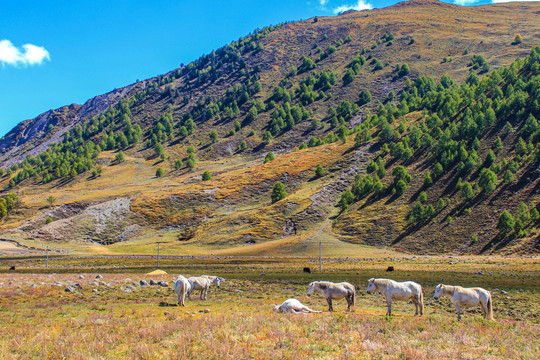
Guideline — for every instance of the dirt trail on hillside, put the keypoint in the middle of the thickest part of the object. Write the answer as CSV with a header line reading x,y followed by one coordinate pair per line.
x,y
324,201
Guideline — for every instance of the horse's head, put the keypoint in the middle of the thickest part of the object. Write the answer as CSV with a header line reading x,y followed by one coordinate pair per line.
x,y
217,280
438,291
276,308
310,288
371,285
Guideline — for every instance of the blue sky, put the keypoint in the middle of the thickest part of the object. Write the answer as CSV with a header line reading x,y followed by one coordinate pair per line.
x,y
59,52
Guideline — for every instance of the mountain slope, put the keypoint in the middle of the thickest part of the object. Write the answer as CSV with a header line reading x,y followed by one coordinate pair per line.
x,y
297,84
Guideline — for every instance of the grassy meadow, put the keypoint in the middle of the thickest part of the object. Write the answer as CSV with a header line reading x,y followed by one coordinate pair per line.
x,y
109,319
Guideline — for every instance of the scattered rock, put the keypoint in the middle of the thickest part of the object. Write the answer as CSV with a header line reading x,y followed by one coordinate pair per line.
x,y
163,283
99,276
153,282
206,311
69,289
81,276
166,313
262,274
143,283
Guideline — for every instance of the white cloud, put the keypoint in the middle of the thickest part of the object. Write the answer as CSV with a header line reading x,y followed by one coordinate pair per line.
x,y
28,54
360,5
465,2
323,2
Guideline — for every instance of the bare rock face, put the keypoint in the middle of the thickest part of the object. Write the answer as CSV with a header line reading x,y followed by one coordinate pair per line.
x,y
289,228
35,135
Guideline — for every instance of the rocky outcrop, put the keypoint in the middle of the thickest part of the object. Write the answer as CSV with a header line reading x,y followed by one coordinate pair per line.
x,y
35,135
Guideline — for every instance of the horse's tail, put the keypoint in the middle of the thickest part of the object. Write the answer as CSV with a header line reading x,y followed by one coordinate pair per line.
x,y
353,296
421,298
489,311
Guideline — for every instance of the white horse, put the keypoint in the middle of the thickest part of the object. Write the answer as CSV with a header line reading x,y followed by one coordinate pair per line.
x,y
335,291
202,283
466,297
393,290
293,306
182,286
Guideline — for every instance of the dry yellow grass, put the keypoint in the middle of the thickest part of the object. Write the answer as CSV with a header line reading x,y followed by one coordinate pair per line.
x,y
102,320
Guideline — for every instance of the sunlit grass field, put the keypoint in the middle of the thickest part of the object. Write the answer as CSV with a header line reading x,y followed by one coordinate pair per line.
x,y
102,320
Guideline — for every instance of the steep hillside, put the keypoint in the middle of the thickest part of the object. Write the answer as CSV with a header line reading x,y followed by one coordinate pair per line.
x,y
180,157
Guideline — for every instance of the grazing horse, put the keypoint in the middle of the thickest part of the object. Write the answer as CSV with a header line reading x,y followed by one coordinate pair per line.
x,y
293,306
202,283
335,291
182,286
307,270
466,297
393,290
390,268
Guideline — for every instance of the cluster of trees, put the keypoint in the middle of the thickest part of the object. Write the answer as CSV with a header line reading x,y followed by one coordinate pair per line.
x,y
354,69
524,217
285,117
452,132
7,204
460,116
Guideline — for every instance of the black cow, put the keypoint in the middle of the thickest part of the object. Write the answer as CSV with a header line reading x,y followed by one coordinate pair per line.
x,y
307,270
390,268
12,268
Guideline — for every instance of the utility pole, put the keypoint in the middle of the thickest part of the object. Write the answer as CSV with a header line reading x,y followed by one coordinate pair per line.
x,y
159,242
47,257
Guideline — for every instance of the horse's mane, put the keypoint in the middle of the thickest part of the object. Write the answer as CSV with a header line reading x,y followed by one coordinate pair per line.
x,y
383,282
449,289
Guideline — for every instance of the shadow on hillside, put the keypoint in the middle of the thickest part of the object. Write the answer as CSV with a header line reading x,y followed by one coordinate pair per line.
x,y
259,147
409,230
499,241
63,182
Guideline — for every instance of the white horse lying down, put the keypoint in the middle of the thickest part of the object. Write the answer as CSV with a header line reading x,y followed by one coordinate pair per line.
x,y
202,283
182,286
335,291
293,306
393,290
466,297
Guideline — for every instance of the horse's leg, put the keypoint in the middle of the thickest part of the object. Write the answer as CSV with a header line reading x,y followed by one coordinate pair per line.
x,y
330,308
416,303
389,305
349,302
206,292
484,309
181,297
201,296
458,312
